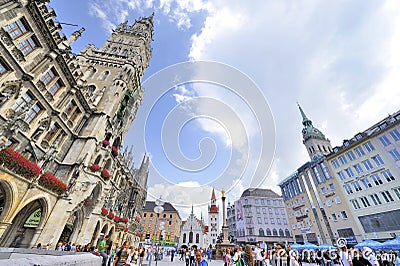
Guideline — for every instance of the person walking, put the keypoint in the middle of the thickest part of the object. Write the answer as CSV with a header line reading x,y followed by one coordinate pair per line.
x,y
172,254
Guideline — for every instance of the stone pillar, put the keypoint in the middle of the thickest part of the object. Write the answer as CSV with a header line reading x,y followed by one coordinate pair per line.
x,y
3,227
224,227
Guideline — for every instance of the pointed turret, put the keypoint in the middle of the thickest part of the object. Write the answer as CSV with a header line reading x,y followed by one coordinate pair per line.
x,y
314,140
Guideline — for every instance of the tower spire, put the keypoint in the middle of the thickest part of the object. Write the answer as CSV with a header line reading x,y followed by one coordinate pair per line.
x,y
306,122
315,141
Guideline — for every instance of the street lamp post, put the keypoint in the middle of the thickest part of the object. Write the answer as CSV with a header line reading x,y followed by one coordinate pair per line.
x,y
158,209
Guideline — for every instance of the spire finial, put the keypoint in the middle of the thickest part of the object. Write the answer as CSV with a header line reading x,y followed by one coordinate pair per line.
x,y
306,122
192,208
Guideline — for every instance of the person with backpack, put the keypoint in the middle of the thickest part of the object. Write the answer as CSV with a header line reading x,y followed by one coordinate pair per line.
x,y
122,255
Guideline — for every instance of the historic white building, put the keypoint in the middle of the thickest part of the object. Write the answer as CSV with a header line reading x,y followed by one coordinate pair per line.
x,y
193,232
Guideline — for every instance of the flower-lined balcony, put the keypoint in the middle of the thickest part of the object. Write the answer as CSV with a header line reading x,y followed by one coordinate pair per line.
x,y
105,143
52,183
95,167
114,151
105,174
17,163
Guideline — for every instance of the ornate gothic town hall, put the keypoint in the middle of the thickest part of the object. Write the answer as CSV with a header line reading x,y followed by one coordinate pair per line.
x,y
64,175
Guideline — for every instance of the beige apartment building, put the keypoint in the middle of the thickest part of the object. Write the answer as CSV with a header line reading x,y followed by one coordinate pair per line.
x,y
367,168
317,208
165,226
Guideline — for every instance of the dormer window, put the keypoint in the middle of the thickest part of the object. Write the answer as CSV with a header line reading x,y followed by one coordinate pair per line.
x,y
383,126
358,136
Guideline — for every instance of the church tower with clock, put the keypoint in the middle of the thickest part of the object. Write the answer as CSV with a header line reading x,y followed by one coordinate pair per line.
x,y
315,141
213,220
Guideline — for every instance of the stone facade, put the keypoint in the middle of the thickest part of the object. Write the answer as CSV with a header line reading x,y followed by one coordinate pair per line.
x,y
69,114
260,217
151,222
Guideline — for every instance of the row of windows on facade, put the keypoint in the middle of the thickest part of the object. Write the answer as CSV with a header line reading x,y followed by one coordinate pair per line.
x,y
366,181
151,215
191,238
262,202
325,149
264,211
26,42
375,198
309,223
261,232
271,220
151,221
294,187
327,203
149,230
395,135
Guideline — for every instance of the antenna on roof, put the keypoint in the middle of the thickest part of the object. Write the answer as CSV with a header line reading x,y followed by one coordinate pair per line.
x,y
69,24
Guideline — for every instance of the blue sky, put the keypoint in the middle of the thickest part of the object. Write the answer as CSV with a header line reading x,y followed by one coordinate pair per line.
x,y
339,59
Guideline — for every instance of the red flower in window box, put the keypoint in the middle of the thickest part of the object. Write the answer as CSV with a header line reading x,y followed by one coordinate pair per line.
x,y
124,220
14,161
114,151
95,167
137,219
126,229
138,234
116,218
105,174
104,211
105,143
111,215
52,183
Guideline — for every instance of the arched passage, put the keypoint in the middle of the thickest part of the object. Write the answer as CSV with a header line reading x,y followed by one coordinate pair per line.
x,y
26,225
72,227
6,199
96,233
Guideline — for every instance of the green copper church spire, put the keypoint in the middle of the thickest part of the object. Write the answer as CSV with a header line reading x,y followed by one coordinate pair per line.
x,y
306,122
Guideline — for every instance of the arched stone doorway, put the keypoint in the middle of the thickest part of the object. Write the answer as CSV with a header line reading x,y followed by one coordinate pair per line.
x,y
83,210
6,199
96,234
71,228
26,225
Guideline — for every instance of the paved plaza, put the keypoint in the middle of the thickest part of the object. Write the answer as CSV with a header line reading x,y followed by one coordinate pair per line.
x,y
166,261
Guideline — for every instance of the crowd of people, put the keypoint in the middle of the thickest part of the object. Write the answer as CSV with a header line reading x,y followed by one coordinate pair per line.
x,y
281,255
278,255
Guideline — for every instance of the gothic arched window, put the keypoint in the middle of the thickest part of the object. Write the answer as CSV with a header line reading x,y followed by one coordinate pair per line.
x,y
105,75
274,232
261,232
113,50
108,164
98,159
197,238
184,238
268,232
281,232
191,237
92,72
287,233
125,52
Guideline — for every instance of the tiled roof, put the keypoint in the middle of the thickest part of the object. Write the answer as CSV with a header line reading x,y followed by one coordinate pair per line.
x,y
167,207
260,192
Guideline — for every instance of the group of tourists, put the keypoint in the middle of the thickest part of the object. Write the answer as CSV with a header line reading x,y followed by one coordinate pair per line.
x,y
281,255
